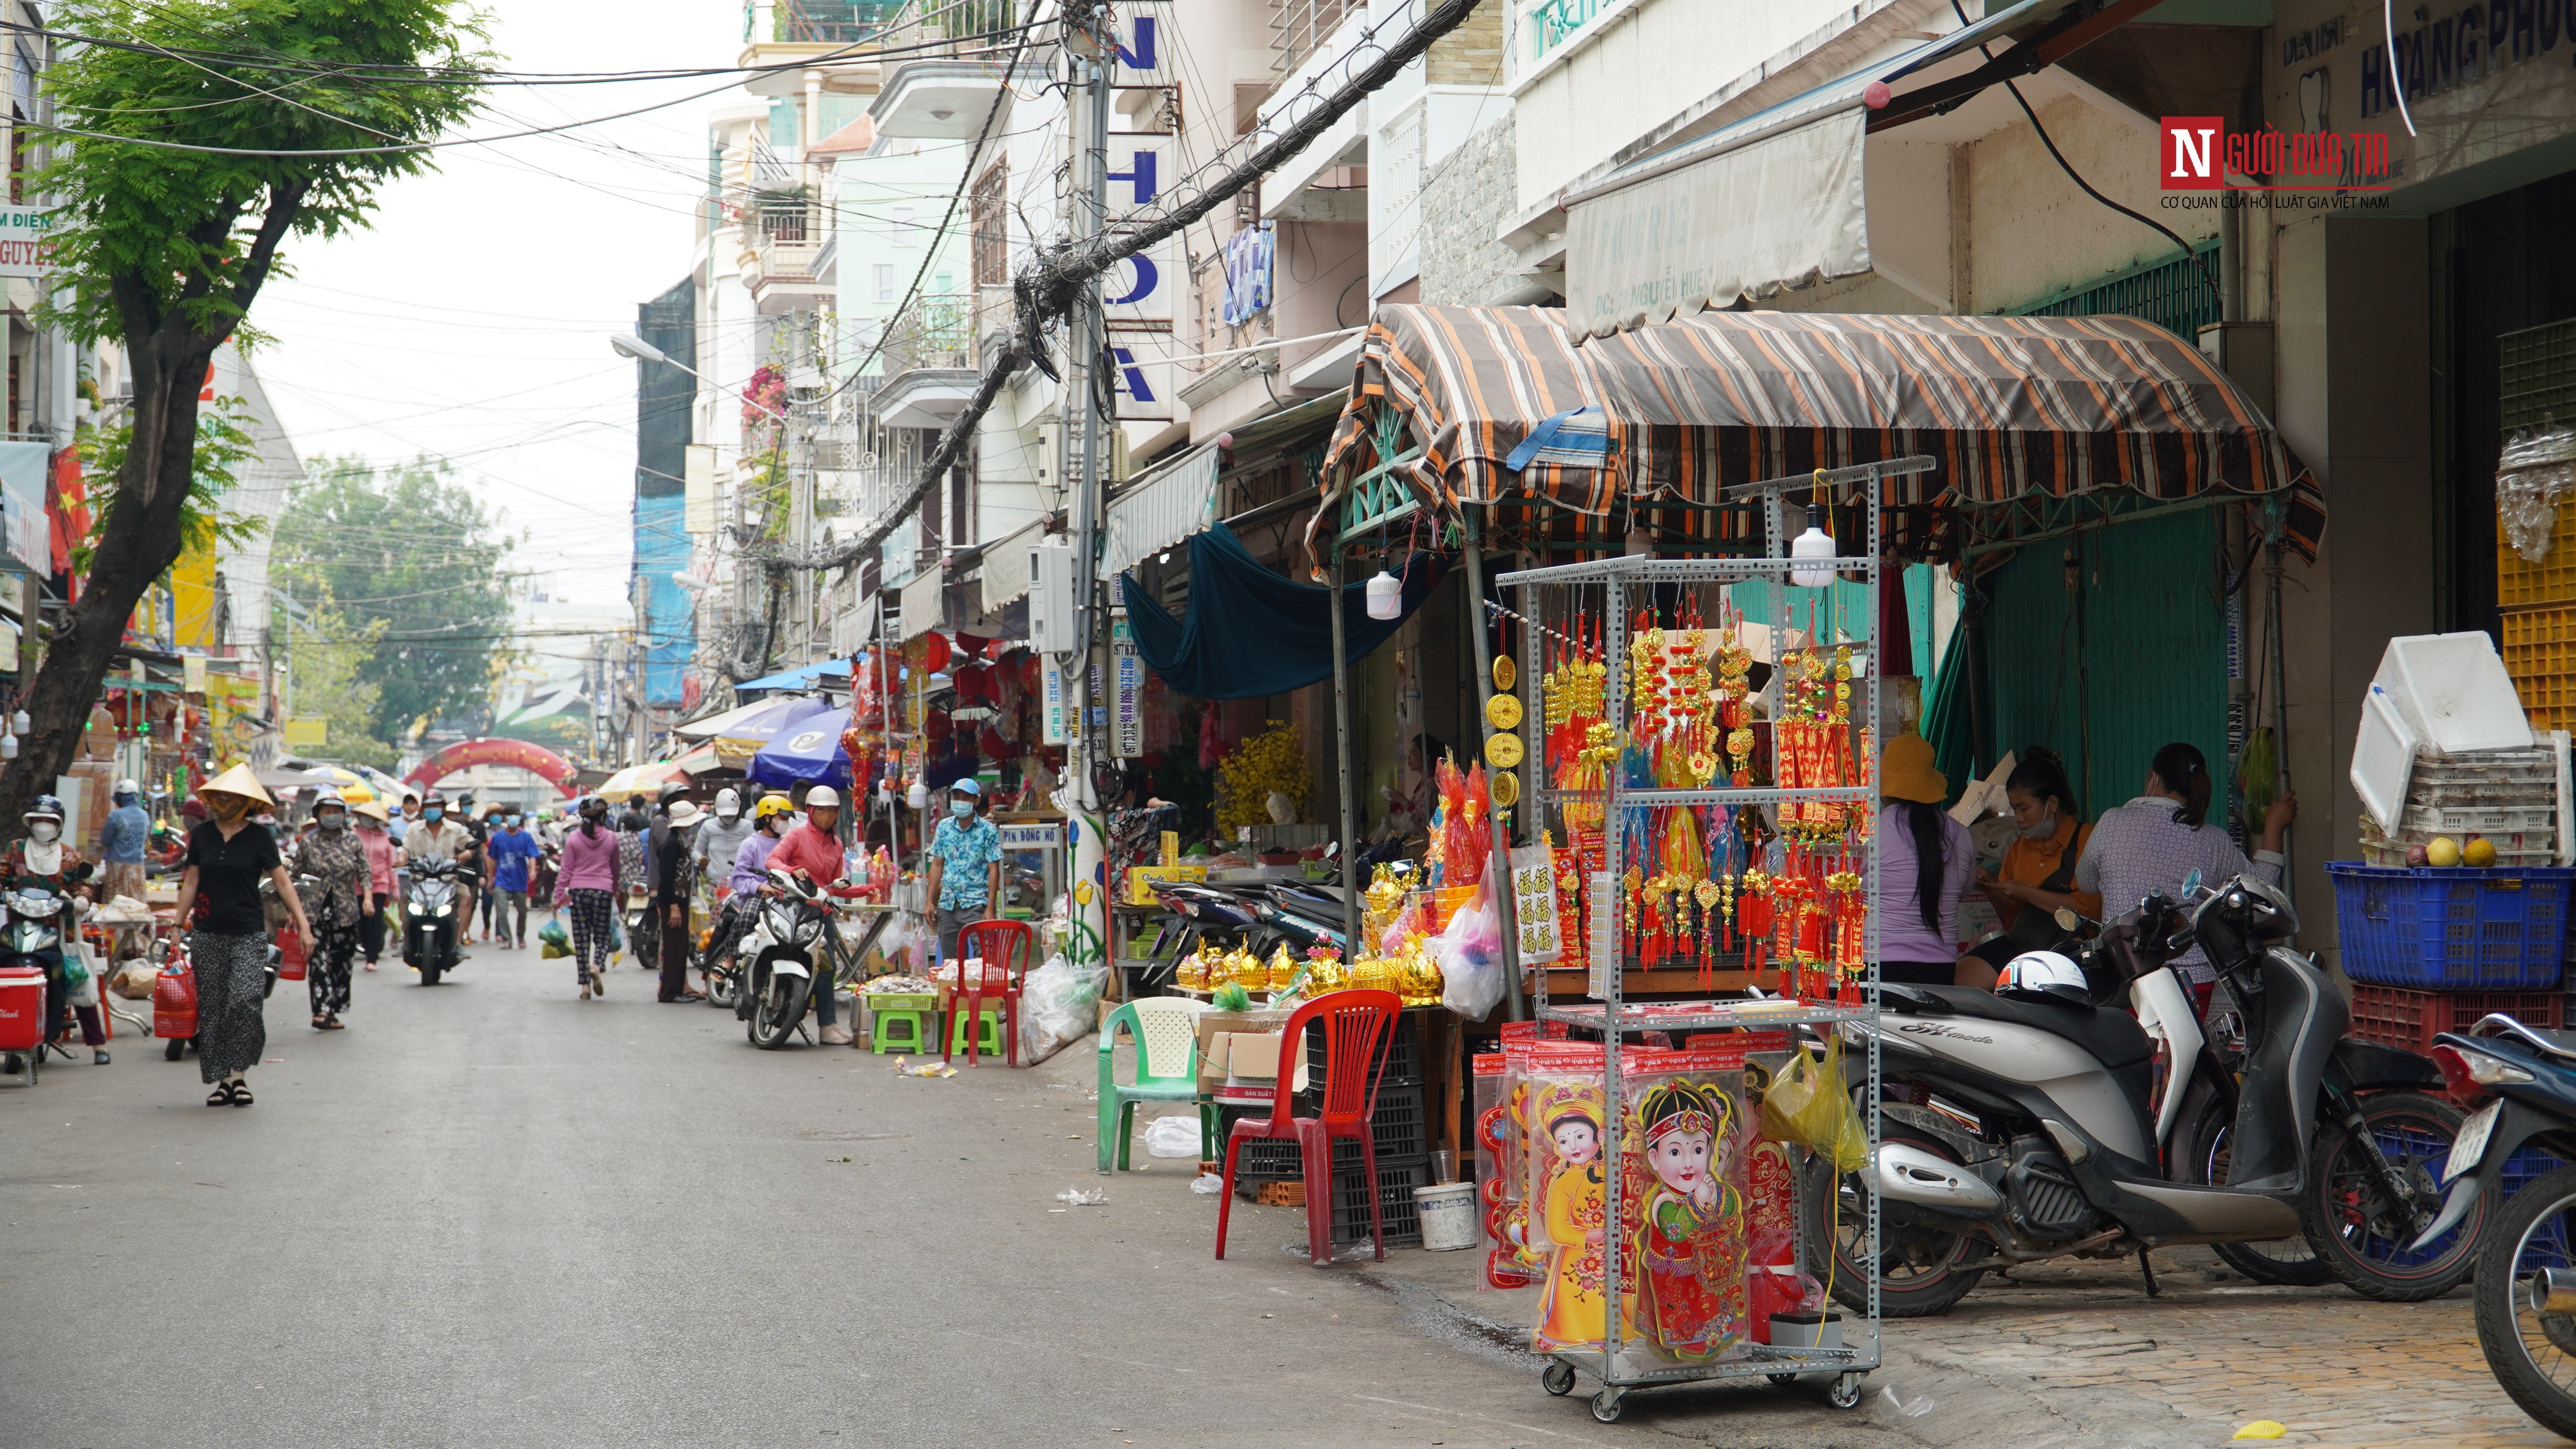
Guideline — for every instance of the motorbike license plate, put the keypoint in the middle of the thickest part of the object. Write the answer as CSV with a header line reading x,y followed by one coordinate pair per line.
x,y
2471,1144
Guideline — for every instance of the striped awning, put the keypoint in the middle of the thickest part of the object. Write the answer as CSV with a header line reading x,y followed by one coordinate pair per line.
x,y
2021,412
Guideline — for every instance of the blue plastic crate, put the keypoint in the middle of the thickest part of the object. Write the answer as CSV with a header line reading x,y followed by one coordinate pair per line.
x,y
2453,930
2527,1165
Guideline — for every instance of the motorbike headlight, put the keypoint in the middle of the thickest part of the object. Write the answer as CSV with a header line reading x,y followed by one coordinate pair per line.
x,y
416,909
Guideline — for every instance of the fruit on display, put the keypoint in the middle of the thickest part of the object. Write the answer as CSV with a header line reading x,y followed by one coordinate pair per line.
x,y
2478,852
2444,852
2415,855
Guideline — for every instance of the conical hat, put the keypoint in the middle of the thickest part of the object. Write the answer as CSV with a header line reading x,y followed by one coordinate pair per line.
x,y
237,781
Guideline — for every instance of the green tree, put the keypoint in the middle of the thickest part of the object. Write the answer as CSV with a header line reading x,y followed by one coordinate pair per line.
x,y
191,150
407,548
330,661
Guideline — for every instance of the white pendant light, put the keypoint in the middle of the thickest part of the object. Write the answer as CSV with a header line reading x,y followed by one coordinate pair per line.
x,y
1385,596
1814,543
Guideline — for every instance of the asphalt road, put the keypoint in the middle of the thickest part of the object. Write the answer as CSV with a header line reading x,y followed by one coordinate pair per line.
x,y
490,1214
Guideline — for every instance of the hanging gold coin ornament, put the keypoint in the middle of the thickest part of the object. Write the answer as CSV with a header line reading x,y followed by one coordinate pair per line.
x,y
1503,711
1506,674
1506,786
1503,752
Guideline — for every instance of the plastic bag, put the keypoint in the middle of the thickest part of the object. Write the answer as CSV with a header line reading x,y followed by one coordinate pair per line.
x,y
174,1001
553,934
1809,1103
84,990
1172,1137
1470,957
1059,1003
548,950
616,933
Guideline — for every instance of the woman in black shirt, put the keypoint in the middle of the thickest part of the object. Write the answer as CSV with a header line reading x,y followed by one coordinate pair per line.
x,y
227,930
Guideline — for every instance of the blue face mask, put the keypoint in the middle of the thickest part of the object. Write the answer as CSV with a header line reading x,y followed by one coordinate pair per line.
x,y
510,820
433,812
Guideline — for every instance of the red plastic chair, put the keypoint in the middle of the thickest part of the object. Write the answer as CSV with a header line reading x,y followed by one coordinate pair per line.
x,y
1359,1028
1005,947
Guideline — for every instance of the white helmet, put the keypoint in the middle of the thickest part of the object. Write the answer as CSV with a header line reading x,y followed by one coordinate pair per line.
x,y
728,804
2043,972
822,797
127,786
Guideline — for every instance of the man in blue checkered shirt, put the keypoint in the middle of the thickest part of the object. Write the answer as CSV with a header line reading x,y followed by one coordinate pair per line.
x,y
965,882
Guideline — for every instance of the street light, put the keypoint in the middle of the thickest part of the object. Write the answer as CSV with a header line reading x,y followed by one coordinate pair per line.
x,y
627,344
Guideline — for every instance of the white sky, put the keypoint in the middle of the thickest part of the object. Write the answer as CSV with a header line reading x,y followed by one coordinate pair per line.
x,y
472,320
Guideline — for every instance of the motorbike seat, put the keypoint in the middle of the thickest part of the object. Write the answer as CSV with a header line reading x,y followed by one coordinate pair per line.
x,y
2112,1036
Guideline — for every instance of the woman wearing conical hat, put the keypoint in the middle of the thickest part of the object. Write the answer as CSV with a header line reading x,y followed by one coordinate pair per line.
x,y
228,855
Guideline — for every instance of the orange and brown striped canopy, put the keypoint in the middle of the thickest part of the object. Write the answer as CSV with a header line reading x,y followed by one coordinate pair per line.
x,y
2017,409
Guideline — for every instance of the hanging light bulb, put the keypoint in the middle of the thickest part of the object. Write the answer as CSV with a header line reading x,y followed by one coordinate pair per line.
x,y
1385,596
1814,543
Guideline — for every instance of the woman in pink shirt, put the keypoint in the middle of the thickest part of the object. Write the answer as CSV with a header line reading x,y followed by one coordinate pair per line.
x,y
379,846
587,885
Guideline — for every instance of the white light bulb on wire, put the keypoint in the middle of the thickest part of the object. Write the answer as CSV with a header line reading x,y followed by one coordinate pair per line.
x,y
1814,543
1385,596
918,796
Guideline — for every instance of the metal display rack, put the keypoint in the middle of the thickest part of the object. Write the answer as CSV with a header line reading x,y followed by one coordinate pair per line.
x,y
1614,586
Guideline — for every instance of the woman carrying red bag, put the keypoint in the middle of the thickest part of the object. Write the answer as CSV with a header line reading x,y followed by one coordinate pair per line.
x,y
227,937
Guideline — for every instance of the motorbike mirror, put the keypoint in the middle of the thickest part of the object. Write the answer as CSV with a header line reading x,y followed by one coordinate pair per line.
x,y
2191,882
2067,920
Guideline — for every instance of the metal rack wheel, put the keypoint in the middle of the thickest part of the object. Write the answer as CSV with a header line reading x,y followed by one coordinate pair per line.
x,y
1557,1378
1781,1381
1606,1406
1845,1394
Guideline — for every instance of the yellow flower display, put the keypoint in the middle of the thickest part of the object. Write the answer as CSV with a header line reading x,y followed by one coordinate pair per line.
x,y
1272,761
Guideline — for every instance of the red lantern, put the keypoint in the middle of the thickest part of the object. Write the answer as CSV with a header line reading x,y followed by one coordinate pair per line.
x,y
934,652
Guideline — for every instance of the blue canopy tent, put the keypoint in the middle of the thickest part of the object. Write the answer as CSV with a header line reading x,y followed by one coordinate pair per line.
x,y
829,674
807,752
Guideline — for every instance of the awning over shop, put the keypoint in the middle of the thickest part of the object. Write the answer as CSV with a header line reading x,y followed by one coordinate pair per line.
x,y
1006,567
923,603
1774,201
2029,417
1169,504
1251,632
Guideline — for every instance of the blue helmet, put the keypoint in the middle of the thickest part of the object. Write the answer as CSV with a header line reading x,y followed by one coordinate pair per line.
x,y
47,807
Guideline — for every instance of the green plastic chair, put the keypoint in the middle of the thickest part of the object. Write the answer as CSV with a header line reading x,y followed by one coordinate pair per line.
x,y
1167,1070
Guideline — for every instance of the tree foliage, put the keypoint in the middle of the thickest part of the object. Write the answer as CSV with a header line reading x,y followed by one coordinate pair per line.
x,y
408,548
224,443
162,249
331,661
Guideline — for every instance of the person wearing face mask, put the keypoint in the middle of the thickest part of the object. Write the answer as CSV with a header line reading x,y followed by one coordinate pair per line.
x,y
331,853
2037,875
219,902
513,853
812,852
44,861
965,865
719,837
2157,840
378,843
121,844
434,837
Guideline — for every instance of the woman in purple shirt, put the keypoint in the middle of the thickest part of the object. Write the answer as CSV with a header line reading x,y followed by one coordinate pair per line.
x,y
1925,864
587,883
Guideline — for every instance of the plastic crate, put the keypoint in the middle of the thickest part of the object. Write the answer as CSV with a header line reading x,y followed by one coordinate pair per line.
x,y
1399,1125
2527,1165
2387,1016
2520,583
1397,1211
1403,1062
2461,929
2489,819
2539,648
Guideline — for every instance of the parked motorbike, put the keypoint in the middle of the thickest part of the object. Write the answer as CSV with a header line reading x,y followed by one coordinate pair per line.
x,y
636,917
2525,1299
785,943
2047,1133
430,928
719,950
33,937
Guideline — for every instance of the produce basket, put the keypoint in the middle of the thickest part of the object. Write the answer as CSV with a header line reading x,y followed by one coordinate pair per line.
x,y
2409,1020
2454,929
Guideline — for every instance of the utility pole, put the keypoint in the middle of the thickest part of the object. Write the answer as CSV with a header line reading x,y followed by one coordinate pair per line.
x,y
804,393
1087,48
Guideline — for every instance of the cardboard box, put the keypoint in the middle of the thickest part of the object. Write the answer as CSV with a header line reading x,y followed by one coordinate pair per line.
x,y
1140,894
1214,1026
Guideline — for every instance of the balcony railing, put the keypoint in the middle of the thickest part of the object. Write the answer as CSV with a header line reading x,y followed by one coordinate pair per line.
x,y
926,22
937,331
832,22
1551,21
788,234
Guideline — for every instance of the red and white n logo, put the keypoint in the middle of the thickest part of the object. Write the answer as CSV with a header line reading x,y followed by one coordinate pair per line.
x,y
2191,146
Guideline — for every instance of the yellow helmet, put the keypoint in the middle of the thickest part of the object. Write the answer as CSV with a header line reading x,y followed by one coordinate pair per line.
x,y
771,805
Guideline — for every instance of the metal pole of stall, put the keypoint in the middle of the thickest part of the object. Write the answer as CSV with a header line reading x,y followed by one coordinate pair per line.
x,y
1352,885
2280,689
1500,874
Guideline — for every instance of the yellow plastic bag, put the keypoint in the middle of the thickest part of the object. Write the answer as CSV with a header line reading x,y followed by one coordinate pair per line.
x,y
1808,1102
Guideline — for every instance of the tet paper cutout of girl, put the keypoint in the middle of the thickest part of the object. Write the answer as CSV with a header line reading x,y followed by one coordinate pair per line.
x,y
1690,1259
1572,1313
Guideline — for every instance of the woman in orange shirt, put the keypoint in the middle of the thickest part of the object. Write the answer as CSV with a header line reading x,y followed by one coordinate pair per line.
x,y
2038,872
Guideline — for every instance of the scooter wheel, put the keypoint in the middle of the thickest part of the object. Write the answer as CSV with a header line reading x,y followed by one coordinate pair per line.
x,y
2530,1351
2358,1232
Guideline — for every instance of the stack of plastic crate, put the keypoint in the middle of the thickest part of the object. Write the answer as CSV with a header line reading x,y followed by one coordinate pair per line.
x,y
2508,798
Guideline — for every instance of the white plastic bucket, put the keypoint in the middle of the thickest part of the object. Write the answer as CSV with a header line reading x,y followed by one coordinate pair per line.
x,y
1448,1216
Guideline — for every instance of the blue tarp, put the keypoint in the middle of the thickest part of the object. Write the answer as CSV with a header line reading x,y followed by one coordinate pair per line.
x,y
1251,632
806,751
804,678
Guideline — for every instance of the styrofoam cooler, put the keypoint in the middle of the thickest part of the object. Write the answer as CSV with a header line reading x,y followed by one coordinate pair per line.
x,y
22,1009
